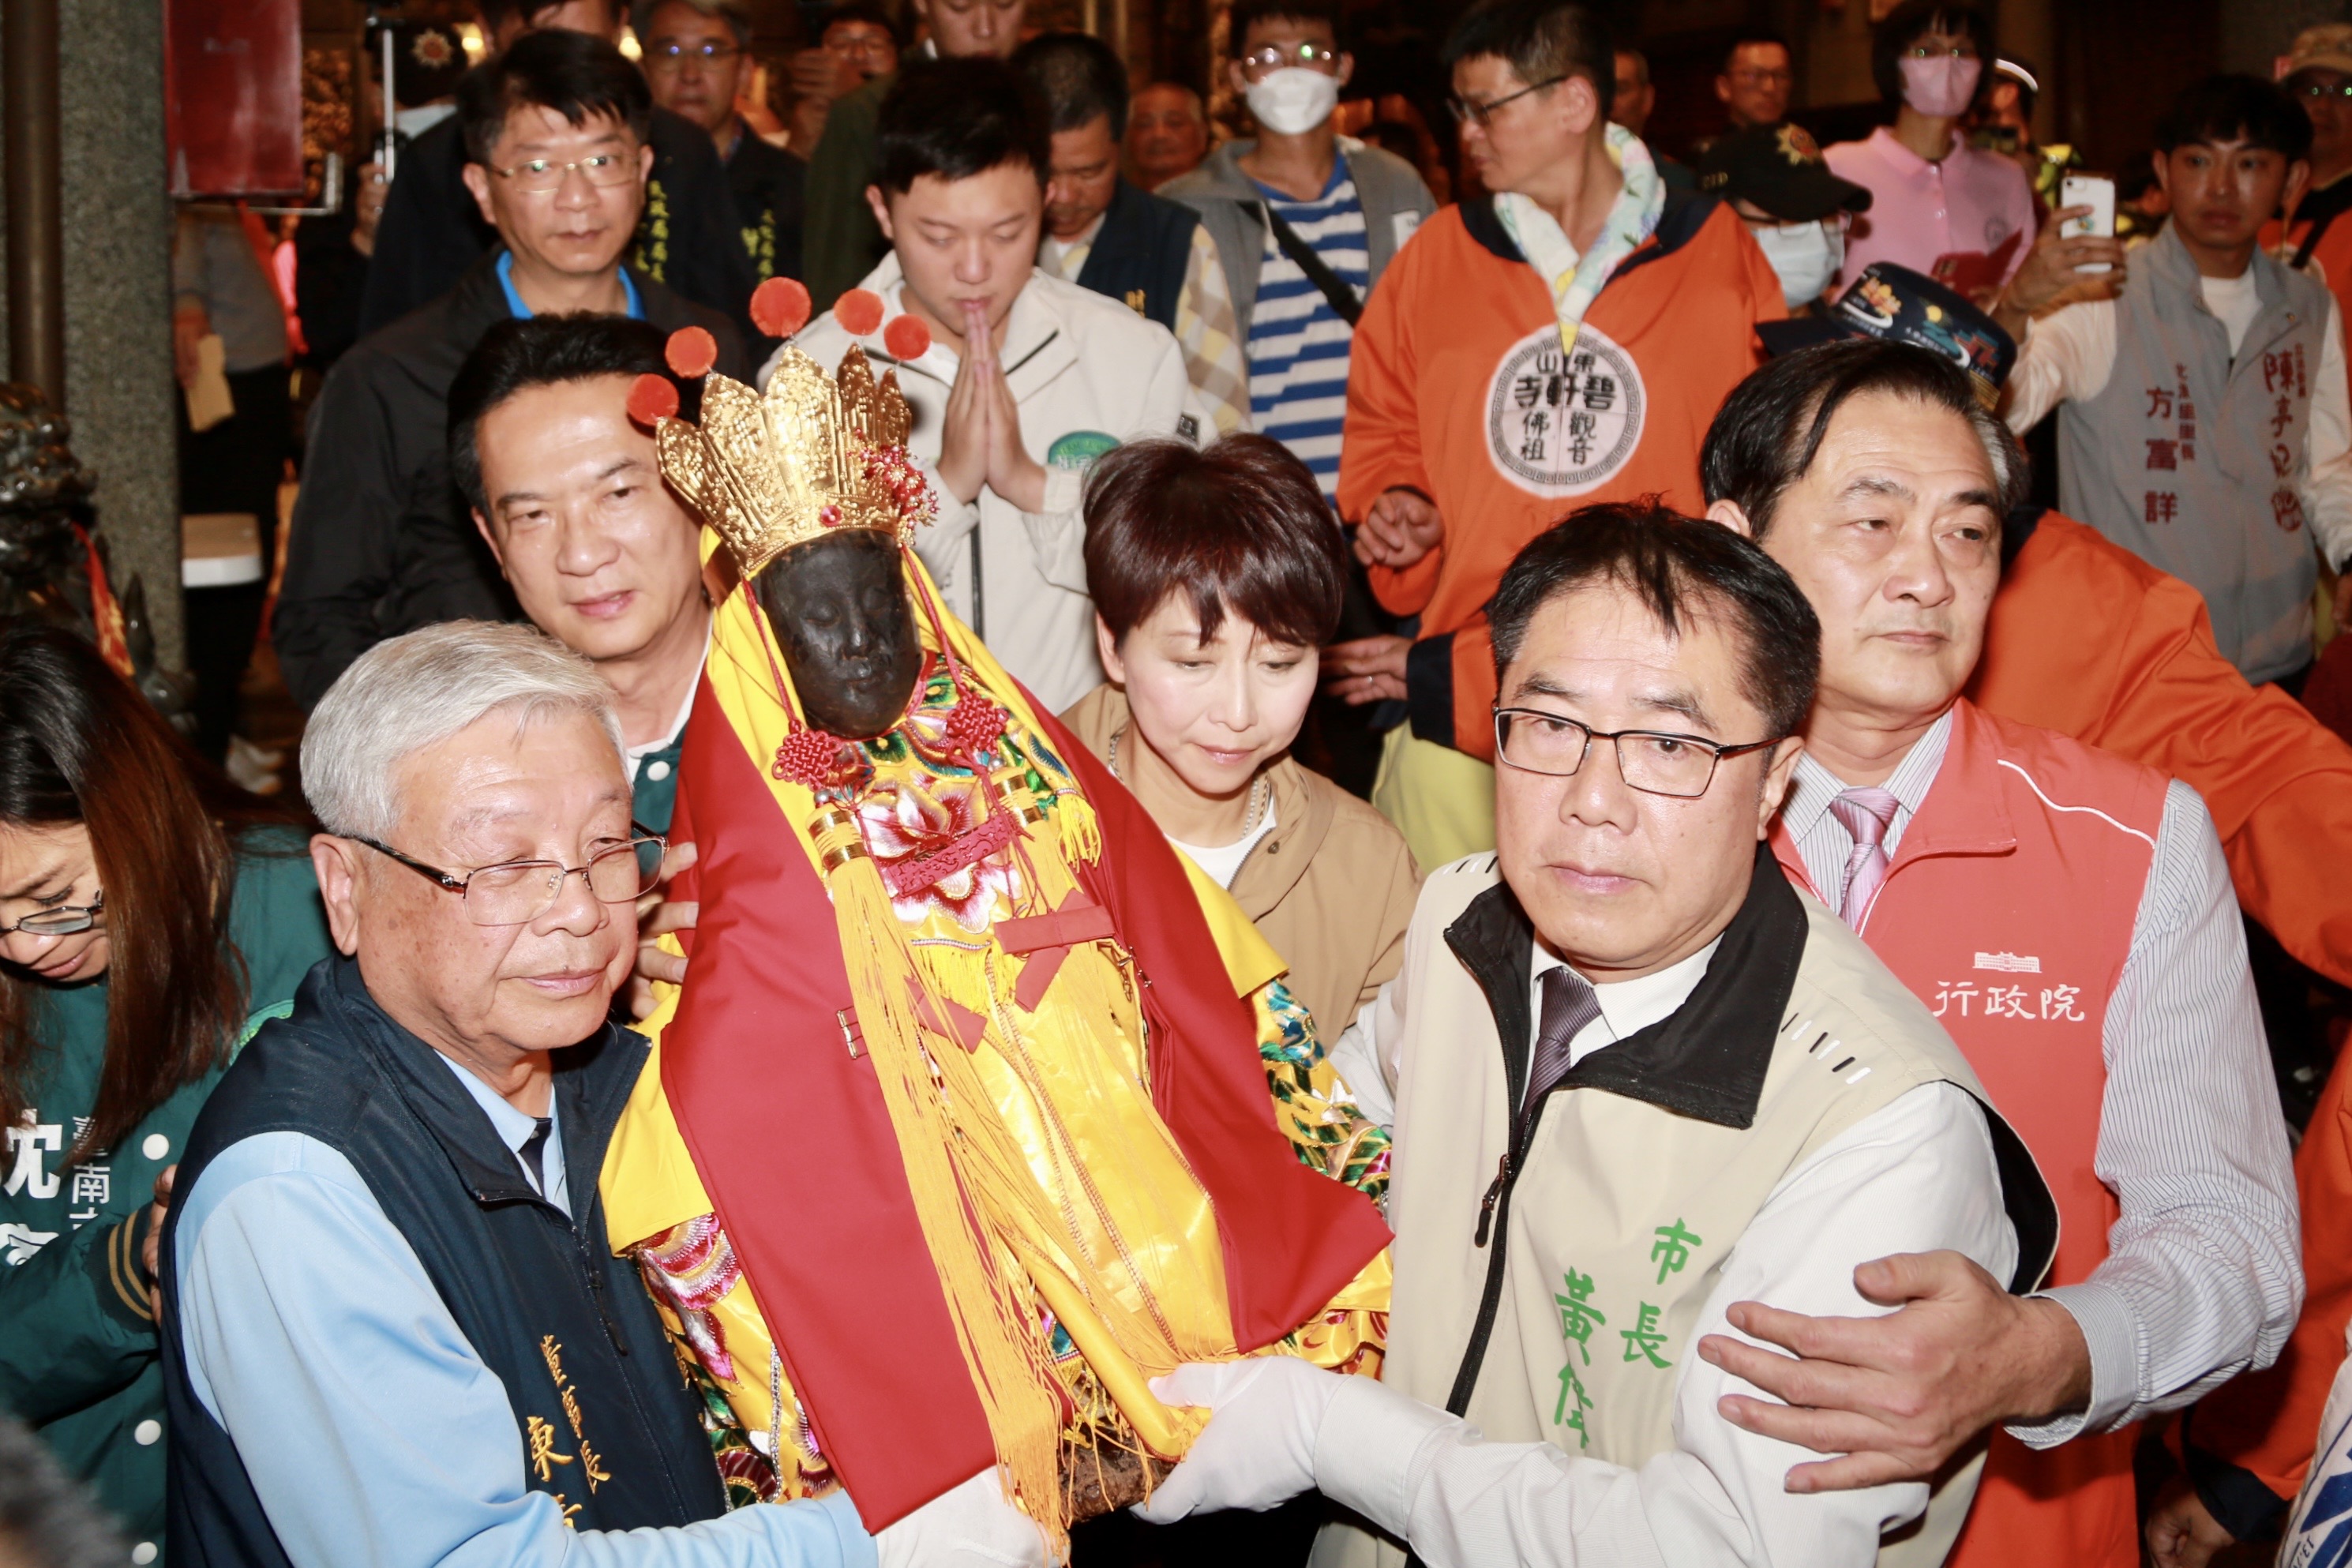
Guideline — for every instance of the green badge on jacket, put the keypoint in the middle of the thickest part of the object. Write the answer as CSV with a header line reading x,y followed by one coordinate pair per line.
x,y
1079,450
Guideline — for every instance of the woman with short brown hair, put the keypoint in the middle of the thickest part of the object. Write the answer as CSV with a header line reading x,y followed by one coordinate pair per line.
x,y
1216,576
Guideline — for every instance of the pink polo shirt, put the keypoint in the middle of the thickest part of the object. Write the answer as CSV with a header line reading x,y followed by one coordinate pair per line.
x,y
1971,202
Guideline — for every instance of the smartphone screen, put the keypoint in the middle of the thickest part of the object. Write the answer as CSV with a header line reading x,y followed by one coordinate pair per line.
x,y
2098,193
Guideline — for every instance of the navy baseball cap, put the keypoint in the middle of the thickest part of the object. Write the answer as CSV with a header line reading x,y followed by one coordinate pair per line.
x,y
1897,303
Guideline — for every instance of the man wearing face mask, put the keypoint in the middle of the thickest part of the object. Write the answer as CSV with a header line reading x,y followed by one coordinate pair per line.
x,y
1795,209
1306,219
1956,213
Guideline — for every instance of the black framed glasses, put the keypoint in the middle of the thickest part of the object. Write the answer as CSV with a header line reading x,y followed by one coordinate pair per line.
x,y
516,892
536,176
66,920
1463,109
1655,762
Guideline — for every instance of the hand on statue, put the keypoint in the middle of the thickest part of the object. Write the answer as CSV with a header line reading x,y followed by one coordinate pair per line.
x,y
368,190
1258,1449
657,913
1898,1396
965,438
1366,670
1402,527
1012,473
2180,1533
972,1526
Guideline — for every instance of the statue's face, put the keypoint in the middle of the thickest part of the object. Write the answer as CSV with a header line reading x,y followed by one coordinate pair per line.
x,y
841,610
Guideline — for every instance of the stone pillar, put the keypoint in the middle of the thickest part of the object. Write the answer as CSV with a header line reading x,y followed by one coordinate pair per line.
x,y
118,291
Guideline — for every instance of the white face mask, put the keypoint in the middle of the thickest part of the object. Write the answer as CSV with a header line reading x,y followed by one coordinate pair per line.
x,y
1805,256
1940,88
1293,100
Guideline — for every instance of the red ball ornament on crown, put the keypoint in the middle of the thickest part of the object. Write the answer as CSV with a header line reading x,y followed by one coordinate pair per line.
x,y
691,351
907,337
652,399
780,306
860,311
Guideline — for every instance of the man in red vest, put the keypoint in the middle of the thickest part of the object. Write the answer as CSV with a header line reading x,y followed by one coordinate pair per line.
x,y
2068,915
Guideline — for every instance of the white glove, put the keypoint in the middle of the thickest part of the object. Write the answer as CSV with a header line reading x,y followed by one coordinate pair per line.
x,y
1259,1447
972,1526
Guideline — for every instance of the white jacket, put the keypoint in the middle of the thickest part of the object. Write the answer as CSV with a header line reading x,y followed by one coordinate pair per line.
x,y
1088,373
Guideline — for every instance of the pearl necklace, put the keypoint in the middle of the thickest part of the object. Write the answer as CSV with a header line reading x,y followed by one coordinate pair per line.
x,y
1261,787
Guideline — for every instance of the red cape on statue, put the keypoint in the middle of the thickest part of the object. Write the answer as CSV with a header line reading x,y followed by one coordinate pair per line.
x,y
795,1147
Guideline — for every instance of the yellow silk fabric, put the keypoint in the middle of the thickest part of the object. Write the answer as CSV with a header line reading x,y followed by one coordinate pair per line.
x,y
1117,1236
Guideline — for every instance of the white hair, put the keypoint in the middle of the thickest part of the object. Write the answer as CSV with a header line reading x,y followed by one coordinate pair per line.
x,y
417,691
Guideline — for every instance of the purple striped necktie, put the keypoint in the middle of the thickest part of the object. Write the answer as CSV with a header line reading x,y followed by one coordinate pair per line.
x,y
1867,812
1569,1004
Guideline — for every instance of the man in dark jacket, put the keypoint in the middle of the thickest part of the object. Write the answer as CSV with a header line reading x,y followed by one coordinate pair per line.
x,y
696,54
1120,241
380,542
432,232
398,1332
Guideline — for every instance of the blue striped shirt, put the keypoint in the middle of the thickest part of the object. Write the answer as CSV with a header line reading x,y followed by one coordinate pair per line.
x,y
1298,343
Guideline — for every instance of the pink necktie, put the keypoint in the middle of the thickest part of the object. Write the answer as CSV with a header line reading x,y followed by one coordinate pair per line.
x,y
1868,813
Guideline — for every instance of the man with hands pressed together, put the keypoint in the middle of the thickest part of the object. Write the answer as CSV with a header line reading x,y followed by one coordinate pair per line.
x,y
1017,381
1637,1078
2067,916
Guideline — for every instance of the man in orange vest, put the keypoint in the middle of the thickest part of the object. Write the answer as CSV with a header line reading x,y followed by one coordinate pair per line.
x,y
1561,340
2317,73
2067,915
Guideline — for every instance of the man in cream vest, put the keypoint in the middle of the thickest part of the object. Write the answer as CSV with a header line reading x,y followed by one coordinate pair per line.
x,y
1637,1076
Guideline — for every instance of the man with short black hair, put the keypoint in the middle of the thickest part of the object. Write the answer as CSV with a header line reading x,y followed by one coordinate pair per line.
x,y
431,230
1565,338
2206,426
1153,256
378,545
843,243
1306,219
567,491
2068,917
1024,380
1754,84
1635,1077
695,54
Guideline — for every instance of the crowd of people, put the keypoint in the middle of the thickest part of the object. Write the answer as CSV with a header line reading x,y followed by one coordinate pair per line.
x,y
1027,837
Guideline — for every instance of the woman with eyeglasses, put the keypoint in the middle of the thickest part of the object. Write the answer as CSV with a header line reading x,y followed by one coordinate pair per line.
x,y
1960,214
146,907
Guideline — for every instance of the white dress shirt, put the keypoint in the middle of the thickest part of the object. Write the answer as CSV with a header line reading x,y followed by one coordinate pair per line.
x,y
2203,1277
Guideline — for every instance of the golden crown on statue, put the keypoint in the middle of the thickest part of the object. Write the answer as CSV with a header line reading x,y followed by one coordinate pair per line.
x,y
815,454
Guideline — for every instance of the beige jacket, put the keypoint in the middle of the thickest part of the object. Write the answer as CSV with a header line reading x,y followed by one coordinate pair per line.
x,y
1561,1304
1331,887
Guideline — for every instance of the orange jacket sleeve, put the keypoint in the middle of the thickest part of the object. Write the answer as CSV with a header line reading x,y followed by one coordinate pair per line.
x,y
1382,449
2086,638
1449,687
2266,1424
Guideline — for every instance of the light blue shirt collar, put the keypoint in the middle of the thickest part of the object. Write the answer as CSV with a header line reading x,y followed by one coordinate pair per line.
x,y
514,1130
522,313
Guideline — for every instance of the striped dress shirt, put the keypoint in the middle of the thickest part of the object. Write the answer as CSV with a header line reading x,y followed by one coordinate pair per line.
x,y
2203,1277
1298,343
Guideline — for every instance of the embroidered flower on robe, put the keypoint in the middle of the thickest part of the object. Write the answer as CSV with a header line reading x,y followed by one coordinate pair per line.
x,y
915,815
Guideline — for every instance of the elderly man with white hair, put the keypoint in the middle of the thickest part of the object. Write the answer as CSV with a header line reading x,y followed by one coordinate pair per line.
x,y
398,1333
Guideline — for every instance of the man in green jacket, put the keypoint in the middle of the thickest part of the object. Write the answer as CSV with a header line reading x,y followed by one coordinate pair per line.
x,y
841,242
